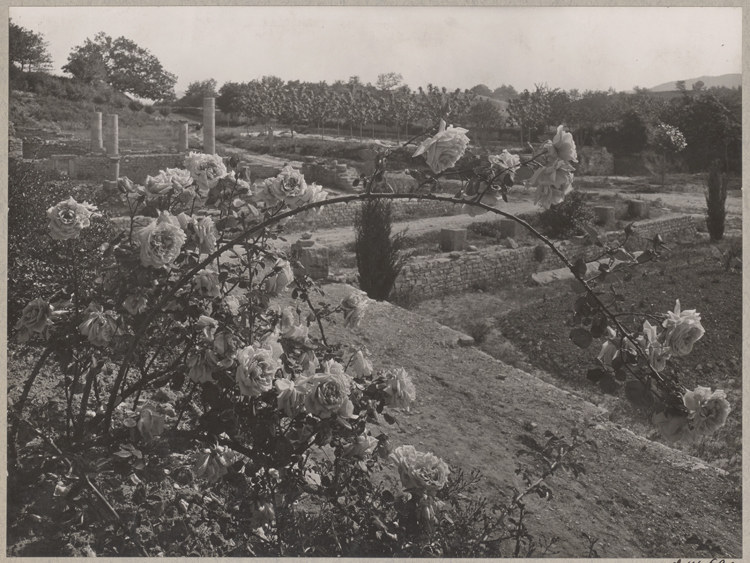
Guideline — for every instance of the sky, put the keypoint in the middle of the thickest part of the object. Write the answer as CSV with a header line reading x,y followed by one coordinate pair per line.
x,y
455,47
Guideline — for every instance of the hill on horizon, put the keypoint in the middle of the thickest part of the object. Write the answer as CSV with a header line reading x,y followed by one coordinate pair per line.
x,y
728,80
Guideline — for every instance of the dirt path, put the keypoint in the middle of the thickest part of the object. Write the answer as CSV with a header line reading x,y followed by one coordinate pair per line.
x,y
638,498
341,236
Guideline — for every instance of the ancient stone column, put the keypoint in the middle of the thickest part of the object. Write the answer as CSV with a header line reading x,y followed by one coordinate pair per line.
x,y
96,132
113,136
114,169
209,125
183,143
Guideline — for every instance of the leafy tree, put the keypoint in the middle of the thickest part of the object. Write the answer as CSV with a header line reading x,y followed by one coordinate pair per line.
x,y
505,92
295,106
229,100
198,90
262,99
389,81
484,116
529,111
27,49
122,64
482,90
587,114
680,85
711,129
699,85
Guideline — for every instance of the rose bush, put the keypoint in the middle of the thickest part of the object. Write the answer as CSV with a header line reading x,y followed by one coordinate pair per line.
x,y
194,302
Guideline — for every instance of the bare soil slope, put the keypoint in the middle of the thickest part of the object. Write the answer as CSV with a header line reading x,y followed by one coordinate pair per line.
x,y
639,498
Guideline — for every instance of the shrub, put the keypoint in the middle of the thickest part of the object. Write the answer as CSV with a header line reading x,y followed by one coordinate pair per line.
x,y
149,109
716,198
567,218
165,111
135,105
479,330
377,252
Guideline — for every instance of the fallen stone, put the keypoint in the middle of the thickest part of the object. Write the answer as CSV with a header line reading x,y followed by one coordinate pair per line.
x,y
472,248
465,340
452,239
306,236
314,259
510,243
454,255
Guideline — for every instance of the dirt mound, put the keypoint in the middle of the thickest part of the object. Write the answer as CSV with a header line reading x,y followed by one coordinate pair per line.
x,y
638,498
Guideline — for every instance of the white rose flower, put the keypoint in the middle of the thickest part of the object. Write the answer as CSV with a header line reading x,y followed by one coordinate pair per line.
x,y
505,160
327,394
683,329
420,472
443,150
280,279
34,318
354,306
362,447
256,369
207,283
100,326
399,389
562,147
708,411
361,365
68,218
290,400
161,241
205,169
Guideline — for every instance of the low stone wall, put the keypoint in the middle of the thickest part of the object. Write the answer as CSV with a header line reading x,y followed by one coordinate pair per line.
x,y
330,175
40,149
434,277
342,214
134,166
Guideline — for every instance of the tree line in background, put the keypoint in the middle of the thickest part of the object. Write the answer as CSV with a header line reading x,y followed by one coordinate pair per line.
x,y
624,123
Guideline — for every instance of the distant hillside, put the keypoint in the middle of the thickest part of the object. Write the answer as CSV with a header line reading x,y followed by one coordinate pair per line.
x,y
499,104
728,80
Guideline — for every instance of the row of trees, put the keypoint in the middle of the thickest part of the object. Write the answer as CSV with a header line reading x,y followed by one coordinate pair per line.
x,y
389,103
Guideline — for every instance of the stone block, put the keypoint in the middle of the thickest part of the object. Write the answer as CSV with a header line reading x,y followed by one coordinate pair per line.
x,y
605,215
639,209
314,259
452,239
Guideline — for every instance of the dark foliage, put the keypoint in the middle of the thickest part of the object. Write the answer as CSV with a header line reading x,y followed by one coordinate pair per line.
x,y
716,197
377,251
567,218
37,265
